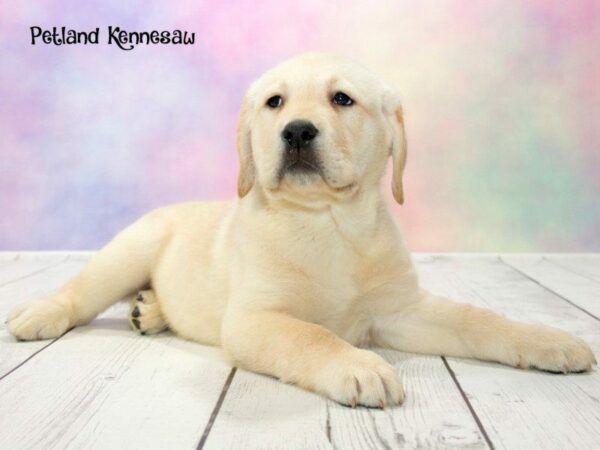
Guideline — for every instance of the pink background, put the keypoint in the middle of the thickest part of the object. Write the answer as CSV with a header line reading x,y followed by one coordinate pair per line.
x,y
502,103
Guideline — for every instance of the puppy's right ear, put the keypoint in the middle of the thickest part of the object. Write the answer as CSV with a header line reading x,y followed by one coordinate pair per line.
x,y
244,148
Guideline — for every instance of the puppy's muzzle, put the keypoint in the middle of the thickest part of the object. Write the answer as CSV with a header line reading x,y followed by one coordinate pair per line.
x,y
300,153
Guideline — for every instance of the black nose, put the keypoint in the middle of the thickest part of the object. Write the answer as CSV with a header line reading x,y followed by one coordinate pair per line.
x,y
299,133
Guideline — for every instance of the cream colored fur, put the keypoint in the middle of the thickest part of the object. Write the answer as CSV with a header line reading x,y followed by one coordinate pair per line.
x,y
299,270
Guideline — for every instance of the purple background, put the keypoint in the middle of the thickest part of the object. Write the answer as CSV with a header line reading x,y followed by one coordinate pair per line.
x,y
502,102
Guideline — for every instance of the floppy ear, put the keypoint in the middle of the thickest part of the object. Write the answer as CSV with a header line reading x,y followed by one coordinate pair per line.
x,y
398,145
398,155
244,148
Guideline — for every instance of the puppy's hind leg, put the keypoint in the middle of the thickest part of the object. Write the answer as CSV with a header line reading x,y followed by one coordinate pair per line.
x,y
119,269
145,315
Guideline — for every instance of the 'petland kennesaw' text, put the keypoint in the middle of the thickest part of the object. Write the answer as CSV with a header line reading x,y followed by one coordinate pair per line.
x,y
125,40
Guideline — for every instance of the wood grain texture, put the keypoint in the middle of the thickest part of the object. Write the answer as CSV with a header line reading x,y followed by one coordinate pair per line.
x,y
433,415
521,409
26,279
14,267
104,387
573,279
261,412
587,264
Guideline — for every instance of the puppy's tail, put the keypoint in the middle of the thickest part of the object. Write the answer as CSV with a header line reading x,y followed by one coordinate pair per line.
x,y
119,269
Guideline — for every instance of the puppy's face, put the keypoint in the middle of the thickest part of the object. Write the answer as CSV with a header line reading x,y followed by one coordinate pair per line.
x,y
319,128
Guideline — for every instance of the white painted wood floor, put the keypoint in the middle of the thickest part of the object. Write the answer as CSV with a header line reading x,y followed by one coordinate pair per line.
x,y
102,386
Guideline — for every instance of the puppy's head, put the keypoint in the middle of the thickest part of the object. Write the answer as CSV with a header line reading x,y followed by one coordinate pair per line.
x,y
320,128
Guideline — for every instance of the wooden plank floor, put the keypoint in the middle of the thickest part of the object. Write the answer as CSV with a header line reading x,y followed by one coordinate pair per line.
x,y
102,386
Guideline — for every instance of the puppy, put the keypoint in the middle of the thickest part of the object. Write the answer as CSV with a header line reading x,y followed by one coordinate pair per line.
x,y
307,262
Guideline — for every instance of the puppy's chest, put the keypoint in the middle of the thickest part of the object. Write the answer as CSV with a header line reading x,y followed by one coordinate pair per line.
x,y
339,271
335,266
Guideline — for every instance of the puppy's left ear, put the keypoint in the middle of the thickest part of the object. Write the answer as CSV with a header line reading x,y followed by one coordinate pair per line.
x,y
244,148
395,116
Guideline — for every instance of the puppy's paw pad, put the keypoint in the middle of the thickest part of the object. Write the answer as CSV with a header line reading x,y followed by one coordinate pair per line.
x,y
43,319
145,315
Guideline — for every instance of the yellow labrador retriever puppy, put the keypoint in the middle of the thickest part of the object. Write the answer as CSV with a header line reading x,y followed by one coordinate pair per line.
x,y
307,263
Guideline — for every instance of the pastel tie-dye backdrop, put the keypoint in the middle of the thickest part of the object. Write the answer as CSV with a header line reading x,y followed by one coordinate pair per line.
x,y
502,102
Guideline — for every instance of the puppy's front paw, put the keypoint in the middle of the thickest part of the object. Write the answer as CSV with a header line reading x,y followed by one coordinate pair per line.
x,y
43,319
553,350
361,377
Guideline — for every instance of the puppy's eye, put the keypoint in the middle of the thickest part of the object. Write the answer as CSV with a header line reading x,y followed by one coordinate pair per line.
x,y
342,99
275,102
